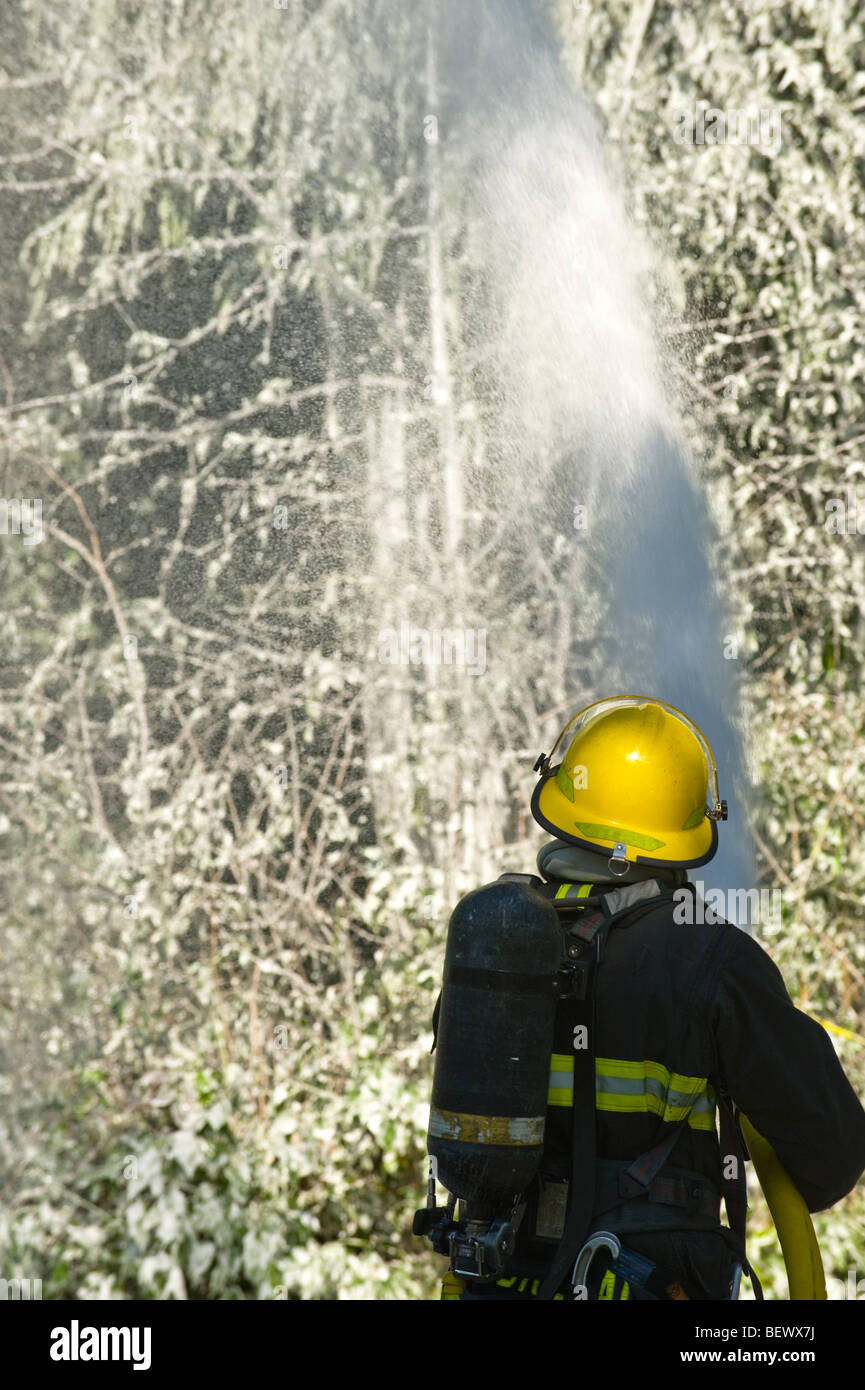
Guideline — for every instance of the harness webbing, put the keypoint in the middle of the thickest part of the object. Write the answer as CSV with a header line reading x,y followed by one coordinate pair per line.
x,y
593,929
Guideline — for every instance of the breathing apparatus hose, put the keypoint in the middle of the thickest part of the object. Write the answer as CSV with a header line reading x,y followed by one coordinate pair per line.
x,y
805,1277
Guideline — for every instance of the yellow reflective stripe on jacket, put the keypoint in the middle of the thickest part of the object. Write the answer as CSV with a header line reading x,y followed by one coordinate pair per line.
x,y
637,1087
608,1288
561,1089
535,1289
648,1086
566,890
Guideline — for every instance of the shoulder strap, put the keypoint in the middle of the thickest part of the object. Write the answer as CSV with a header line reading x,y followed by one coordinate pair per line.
x,y
590,930
735,1187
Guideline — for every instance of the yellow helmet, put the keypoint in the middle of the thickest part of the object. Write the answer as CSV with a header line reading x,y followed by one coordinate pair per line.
x,y
634,781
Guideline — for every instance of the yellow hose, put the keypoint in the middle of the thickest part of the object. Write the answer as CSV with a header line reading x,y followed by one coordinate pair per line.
x,y
792,1219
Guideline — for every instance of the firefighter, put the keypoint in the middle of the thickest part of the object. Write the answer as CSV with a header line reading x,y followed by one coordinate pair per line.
x,y
670,1025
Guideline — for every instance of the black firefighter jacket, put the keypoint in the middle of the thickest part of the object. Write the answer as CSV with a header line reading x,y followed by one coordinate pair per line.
x,y
682,1011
